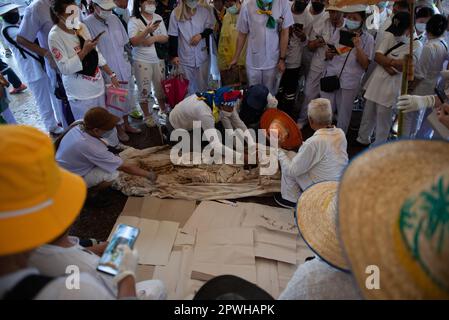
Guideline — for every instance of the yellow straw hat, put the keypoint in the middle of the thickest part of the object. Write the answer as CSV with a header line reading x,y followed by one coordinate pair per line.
x,y
316,215
393,213
38,199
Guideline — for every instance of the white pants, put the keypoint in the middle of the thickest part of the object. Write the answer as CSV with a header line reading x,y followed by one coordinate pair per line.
x,y
290,189
41,91
411,124
55,102
80,107
375,116
8,116
311,91
97,176
198,77
342,101
265,77
147,75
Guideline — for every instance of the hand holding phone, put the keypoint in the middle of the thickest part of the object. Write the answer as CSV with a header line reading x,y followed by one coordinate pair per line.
x,y
98,36
112,257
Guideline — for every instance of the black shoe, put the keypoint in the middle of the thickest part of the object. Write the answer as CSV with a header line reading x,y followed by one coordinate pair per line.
x,y
284,203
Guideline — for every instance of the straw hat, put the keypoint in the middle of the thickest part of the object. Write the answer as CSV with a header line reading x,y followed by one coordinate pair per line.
x,y
316,214
38,199
288,132
393,208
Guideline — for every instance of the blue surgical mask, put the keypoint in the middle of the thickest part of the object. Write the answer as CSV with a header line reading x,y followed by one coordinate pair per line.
x,y
420,27
78,2
267,1
352,25
233,9
107,134
120,11
192,4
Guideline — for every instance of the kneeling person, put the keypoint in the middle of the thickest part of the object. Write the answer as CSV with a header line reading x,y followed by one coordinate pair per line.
x,y
83,151
322,157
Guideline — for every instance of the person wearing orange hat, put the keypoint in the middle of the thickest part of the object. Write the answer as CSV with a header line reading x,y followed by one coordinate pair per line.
x,y
81,150
322,157
38,202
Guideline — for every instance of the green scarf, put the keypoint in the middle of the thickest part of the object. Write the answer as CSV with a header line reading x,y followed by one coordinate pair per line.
x,y
266,9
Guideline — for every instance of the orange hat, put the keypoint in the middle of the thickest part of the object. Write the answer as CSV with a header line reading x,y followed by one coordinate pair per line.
x,y
100,118
38,199
288,132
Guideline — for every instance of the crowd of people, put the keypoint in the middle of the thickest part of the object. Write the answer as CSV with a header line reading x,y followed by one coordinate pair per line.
x,y
311,59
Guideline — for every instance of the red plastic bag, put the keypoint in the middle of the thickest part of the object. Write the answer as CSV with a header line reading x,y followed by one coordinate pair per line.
x,y
117,99
175,89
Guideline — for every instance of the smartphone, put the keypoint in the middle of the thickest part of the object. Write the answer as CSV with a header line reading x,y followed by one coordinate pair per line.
x,y
298,26
332,47
441,95
112,257
98,36
156,22
346,38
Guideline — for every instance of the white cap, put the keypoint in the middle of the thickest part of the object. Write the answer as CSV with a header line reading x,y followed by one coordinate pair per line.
x,y
105,4
355,8
6,7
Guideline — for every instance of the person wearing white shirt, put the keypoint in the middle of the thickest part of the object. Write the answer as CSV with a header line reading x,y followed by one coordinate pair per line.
x,y
317,44
265,23
206,108
82,150
434,56
384,85
422,16
50,200
31,66
146,29
78,60
296,43
191,24
322,157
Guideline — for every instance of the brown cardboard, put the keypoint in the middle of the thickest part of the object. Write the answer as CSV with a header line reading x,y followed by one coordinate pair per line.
x,y
213,215
275,245
168,210
267,276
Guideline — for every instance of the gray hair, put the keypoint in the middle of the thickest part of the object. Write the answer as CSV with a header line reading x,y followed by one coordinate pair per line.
x,y
320,111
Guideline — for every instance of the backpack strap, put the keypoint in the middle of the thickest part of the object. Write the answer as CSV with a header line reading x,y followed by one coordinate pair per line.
x,y
24,52
397,45
444,44
28,288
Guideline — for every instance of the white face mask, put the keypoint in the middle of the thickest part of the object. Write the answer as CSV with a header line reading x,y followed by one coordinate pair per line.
x,y
404,39
150,8
72,24
104,14
192,4
420,27
120,11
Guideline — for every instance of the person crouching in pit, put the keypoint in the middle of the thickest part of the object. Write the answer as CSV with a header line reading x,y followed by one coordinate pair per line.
x,y
82,150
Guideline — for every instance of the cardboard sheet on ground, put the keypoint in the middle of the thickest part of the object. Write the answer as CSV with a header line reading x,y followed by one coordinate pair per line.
x,y
155,240
159,209
272,218
267,276
275,245
224,251
192,182
213,215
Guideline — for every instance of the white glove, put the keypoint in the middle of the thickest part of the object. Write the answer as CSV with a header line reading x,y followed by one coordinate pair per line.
x,y
445,74
128,266
408,103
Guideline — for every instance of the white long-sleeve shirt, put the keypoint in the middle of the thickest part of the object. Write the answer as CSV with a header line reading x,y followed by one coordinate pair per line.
x,y
192,109
322,157
64,48
316,280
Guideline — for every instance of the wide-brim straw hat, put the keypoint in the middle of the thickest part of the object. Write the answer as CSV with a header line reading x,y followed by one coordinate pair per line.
x,y
316,217
39,200
393,217
286,125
